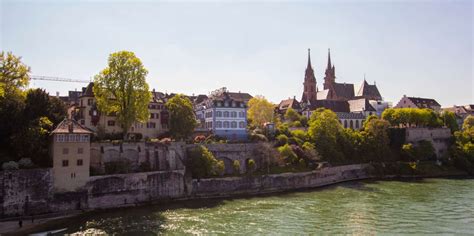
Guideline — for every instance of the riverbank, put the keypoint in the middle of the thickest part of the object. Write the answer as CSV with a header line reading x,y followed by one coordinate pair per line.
x,y
49,223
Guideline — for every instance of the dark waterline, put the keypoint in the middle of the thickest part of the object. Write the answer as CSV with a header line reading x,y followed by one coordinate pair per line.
x,y
425,206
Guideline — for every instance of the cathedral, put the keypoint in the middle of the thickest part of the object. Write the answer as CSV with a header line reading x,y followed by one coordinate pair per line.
x,y
338,97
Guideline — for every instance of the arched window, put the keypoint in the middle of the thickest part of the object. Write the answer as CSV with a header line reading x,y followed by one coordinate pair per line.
x,y
241,124
218,124
226,114
357,124
226,123
233,114
219,113
345,123
233,124
351,124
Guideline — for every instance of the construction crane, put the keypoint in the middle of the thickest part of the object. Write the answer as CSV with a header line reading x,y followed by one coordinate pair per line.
x,y
57,79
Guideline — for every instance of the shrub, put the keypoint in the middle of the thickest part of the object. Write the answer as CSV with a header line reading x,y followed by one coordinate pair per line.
x,y
296,124
267,154
203,163
11,165
251,166
25,163
282,139
299,134
287,153
236,166
308,146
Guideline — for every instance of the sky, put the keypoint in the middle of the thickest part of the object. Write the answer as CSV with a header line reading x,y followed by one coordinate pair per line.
x,y
414,48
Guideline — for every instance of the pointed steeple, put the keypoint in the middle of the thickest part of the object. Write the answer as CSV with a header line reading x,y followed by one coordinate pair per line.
x,y
329,59
309,58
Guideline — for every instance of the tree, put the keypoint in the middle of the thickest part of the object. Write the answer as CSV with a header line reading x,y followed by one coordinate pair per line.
x,y
260,111
291,115
324,127
121,89
182,119
449,119
14,75
377,137
203,163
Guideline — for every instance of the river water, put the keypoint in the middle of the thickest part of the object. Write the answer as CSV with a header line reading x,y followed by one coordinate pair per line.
x,y
429,206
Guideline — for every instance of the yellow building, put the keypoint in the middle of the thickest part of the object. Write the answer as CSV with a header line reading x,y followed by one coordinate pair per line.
x,y
70,151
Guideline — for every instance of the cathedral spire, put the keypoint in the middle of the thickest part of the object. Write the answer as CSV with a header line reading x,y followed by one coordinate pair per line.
x,y
329,59
309,58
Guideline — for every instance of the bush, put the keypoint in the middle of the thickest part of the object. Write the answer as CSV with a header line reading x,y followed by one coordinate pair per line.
x,y
251,166
203,163
11,165
296,124
236,166
282,139
287,153
25,163
299,134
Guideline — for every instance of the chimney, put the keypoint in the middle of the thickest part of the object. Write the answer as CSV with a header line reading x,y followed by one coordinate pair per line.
x,y
57,94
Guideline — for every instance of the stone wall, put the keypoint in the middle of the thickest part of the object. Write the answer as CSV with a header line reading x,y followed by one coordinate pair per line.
x,y
232,186
439,137
25,192
117,190
159,156
228,153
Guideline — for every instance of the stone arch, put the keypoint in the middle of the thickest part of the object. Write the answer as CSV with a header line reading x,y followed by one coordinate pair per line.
x,y
111,155
345,123
357,124
351,124
228,164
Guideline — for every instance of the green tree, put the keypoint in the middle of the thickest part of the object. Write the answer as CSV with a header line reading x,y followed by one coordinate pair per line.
x,y
291,115
182,119
260,111
378,139
203,163
323,129
449,119
14,75
121,89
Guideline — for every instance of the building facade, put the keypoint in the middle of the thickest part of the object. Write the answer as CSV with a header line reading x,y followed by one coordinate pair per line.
x,y
70,150
88,115
415,102
224,114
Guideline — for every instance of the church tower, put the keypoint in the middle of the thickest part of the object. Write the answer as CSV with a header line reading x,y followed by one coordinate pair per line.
x,y
330,77
310,89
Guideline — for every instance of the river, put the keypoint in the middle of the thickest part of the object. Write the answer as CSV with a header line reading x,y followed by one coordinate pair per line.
x,y
428,206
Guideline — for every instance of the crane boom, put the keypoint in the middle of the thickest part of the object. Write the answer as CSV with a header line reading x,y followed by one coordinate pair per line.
x,y
58,79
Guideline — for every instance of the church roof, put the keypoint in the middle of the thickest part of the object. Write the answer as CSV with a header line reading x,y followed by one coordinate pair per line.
x,y
333,105
369,91
350,115
361,104
323,94
70,126
344,90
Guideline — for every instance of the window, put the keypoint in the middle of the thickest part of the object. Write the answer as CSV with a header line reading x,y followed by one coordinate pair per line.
x,y
89,102
219,113
80,150
65,163
79,162
241,124
351,124
151,125
219,104
85,138
233,104
357,124
226,124
241,104
226,104
233,124
111,123
226,114
241,114
210,124
65,150
157,115
219,124
233,114
152,115
345,123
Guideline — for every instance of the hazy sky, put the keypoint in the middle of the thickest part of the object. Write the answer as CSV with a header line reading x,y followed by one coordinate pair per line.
x,y
417,48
